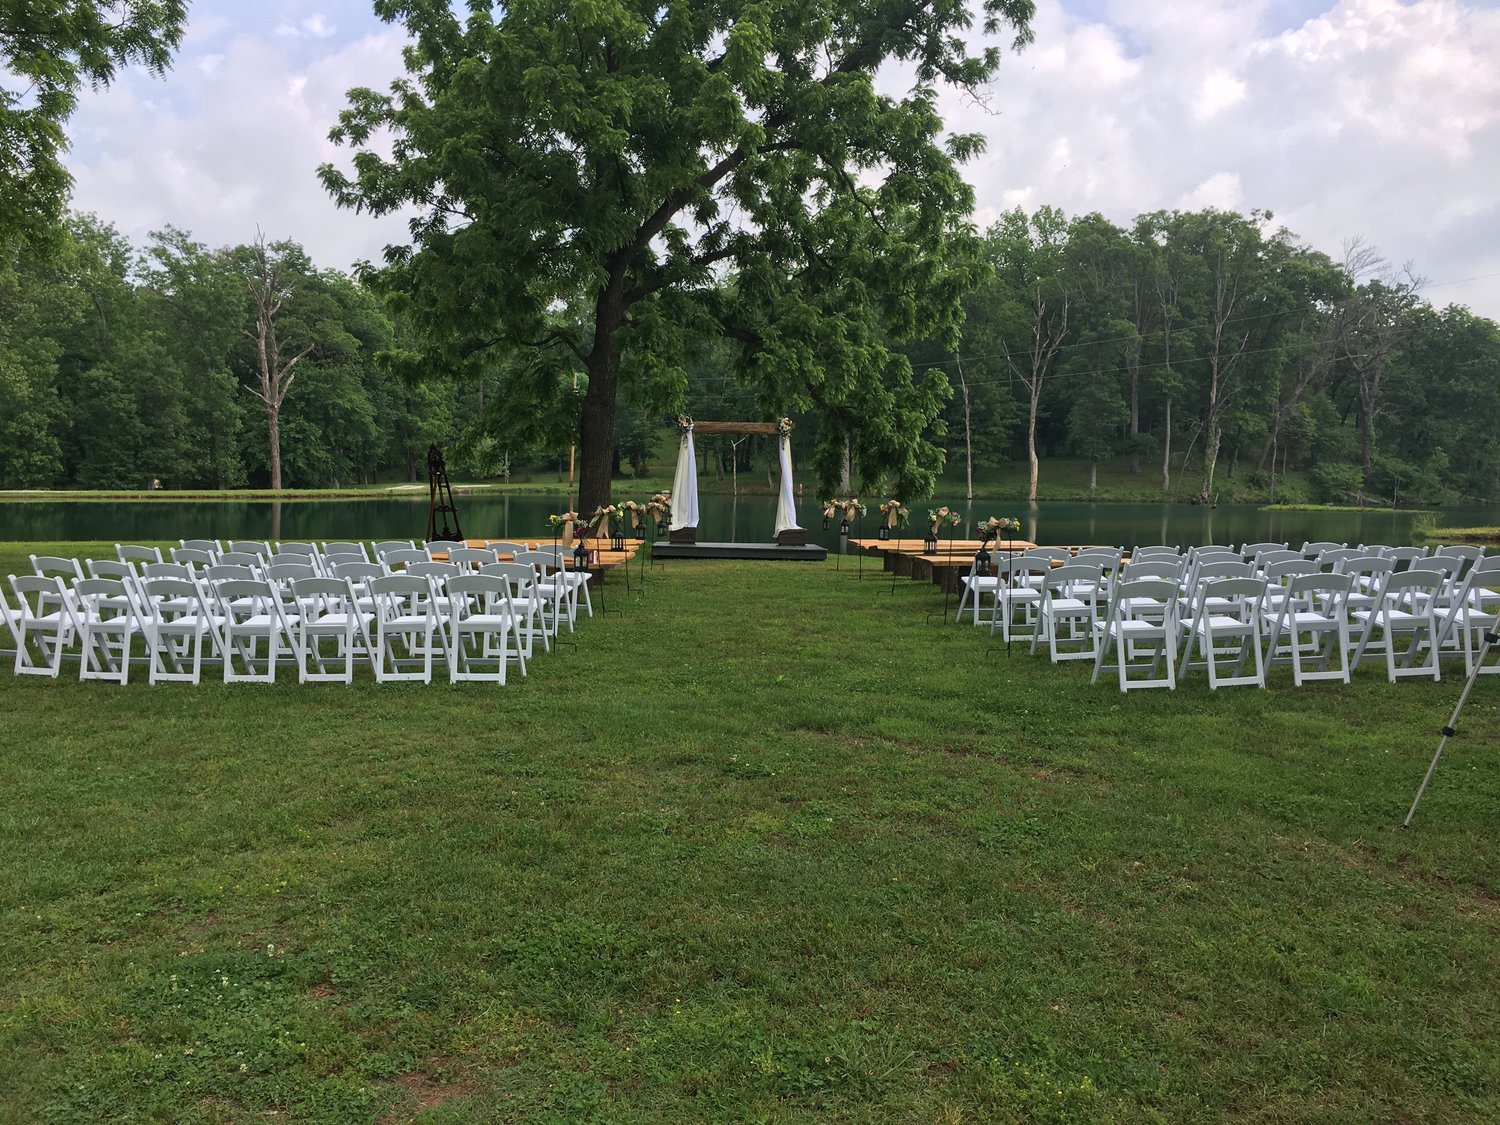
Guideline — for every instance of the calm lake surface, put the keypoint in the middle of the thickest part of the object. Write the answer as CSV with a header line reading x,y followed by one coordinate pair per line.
x,y
722,519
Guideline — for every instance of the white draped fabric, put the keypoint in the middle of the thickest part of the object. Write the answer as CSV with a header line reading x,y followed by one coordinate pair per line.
x,y
786,506
685,485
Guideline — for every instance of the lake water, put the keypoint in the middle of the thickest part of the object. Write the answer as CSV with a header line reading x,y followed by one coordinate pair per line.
x,y
748,519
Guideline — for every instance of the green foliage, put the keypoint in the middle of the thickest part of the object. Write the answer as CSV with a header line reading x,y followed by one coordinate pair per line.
x,y
50,49
614,183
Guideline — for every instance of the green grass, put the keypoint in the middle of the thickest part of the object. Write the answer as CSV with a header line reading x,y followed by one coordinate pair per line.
x,y
1345,508
762,846
1458,534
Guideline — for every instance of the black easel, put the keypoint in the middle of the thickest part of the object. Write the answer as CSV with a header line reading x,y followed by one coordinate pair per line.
x,y
440,499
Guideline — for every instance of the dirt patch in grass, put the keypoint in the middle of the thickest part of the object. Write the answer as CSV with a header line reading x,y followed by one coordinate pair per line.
x,y
428,1091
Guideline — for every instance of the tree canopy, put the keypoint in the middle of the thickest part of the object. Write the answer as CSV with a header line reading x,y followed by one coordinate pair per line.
x,y
600,184
50,49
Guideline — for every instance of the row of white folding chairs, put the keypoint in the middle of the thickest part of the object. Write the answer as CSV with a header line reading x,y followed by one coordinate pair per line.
x,y
477,623
1027,571
1317,622
327,559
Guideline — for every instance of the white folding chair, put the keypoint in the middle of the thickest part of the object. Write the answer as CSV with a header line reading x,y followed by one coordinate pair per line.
x,y
980,580
482,621
1473,611
407,629
251,546
256,629
109,621
42,623
1142,613
328,610
556,567
528,600
1224,624
1312,623
345,547
1068,612
177,626
1406,606
131,553
384,547
1018,595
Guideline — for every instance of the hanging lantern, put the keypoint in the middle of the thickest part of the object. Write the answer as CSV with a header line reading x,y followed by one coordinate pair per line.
x,y
883,534
929,544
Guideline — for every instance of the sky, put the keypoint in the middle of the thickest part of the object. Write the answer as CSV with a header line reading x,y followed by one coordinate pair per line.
x,y
1374,119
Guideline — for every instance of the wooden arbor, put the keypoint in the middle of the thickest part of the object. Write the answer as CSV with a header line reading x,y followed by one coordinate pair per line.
x,y
789,537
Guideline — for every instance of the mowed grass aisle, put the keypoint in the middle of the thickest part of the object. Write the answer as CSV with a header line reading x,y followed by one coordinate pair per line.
x,y
762,846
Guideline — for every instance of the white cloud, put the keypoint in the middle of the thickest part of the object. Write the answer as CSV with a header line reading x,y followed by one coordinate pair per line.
x,y
1372,117
1221,190
235,149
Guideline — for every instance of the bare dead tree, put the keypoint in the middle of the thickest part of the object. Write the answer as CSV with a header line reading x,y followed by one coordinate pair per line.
x,y
1369,326
270,285
963,384
1049,327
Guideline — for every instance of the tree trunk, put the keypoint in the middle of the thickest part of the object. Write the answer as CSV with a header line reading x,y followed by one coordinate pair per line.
x,y
1367,445
1031,450
596,433
847,472
968,435
1166,450
273,434
1093,477
1135,420
1210,460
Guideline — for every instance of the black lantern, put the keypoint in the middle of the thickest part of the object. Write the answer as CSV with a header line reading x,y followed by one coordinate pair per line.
x,y
580,555
663,529
617,541
982,558
883,534
825,523
640,530
929,544
843,527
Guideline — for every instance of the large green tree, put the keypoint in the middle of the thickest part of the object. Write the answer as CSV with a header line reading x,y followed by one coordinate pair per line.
x,y
615,161
50,49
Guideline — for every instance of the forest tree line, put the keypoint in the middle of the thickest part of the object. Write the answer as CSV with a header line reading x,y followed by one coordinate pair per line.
x,y
1202,348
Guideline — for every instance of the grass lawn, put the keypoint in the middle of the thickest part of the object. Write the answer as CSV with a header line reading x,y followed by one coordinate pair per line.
x,y
1458,534
764,845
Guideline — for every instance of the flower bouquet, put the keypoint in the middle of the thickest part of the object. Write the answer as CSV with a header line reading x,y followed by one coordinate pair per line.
x,y
849,509
993,526
893,515
660,507
562,524
937,519
784,426
638,515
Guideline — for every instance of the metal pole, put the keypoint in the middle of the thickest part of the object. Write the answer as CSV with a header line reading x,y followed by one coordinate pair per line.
x,y
1452,728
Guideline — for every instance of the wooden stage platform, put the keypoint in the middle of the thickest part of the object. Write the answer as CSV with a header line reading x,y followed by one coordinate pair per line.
x,y
662,550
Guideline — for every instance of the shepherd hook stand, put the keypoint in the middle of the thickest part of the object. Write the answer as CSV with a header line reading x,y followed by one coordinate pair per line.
x,y
1490,639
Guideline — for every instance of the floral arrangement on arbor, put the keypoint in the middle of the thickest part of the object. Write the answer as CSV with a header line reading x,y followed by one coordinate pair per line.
x,y
784,426
991,527
684,423
938,518
894,513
